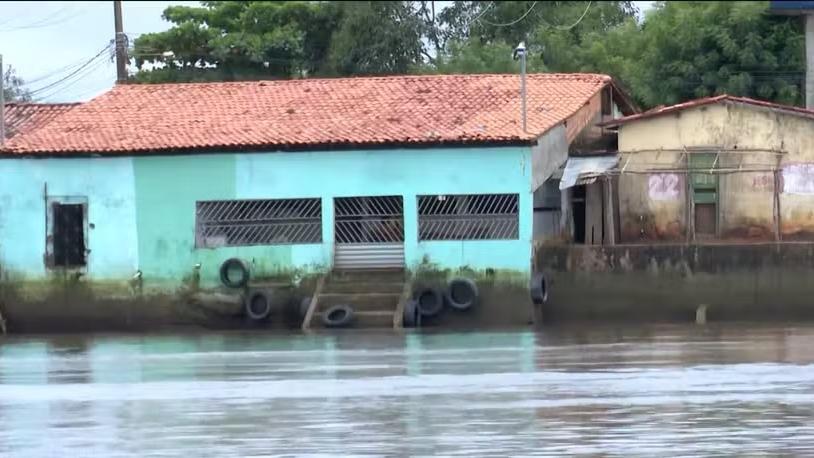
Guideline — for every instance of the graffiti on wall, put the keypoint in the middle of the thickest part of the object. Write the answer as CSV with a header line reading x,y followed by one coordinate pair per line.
x,y
763,182
798,179
663,186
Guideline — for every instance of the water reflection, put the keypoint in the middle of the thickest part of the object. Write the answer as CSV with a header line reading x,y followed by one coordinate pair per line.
x,y
610,391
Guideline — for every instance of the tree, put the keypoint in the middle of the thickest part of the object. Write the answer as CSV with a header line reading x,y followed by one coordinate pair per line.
x,y
224,40
681,50
553,32
377,37
13,89
696,49
237,40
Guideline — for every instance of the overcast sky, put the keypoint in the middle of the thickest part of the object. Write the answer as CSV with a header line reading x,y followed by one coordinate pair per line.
x,y
48,41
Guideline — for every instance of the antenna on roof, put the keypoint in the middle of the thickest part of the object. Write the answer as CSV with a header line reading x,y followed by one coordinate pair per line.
x,y
520,52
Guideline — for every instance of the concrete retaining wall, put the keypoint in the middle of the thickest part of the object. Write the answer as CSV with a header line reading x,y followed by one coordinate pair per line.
x,y
771,281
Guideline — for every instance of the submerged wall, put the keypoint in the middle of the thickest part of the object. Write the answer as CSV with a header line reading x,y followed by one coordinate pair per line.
x,y
766,281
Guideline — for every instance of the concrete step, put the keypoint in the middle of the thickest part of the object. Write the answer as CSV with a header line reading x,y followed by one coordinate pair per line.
x,y
363,319
364,287
367,276
361,302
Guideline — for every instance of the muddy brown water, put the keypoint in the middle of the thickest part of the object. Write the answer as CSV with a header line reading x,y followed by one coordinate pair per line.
x,y
646,391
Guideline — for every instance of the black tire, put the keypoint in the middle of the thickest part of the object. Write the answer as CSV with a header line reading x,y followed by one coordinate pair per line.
x,y
230,264
461,294
539,289
338,316
258,305
430,302
412,316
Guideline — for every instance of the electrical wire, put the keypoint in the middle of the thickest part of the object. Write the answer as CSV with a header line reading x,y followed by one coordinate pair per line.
x,y
91,60
79,77
52,73
576,23
109,78
507,24
48,21
491,4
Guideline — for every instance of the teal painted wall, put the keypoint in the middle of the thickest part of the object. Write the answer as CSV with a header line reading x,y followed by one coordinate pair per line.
x,y
108,184
143,209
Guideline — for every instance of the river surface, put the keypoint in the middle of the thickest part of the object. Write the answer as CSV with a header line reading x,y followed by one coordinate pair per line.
x,y
646,391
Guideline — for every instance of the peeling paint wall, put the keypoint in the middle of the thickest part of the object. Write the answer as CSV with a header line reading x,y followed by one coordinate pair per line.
x,y
657,207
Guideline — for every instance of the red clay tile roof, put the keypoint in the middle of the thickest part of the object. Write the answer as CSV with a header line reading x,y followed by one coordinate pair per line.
x,y
313,113
24,117
662,110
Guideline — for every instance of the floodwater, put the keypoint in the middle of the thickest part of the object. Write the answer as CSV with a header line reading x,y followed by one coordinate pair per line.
x,y
643,391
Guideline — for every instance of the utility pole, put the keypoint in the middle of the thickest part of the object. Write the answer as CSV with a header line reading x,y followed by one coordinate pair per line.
x,y
2,105
121,39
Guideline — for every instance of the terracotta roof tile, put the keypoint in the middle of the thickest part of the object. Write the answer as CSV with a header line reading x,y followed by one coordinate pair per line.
x,y
25,117
724,98
312,113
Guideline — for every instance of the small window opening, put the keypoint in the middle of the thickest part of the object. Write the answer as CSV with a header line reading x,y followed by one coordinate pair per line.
x,y
69,235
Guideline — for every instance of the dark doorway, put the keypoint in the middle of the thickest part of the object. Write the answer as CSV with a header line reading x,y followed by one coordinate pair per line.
x,y
69,235
705,216
578,207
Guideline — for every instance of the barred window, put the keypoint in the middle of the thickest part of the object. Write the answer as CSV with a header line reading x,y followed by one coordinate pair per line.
x,y
258,222
468,217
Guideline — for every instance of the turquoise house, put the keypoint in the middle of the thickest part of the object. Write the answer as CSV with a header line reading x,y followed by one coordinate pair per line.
x,y
115,206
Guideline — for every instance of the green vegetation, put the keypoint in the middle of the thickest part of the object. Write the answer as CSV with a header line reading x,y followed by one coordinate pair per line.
x,y
13,90
680,50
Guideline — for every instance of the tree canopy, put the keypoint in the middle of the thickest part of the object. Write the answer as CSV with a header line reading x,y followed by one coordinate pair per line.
x,y
678,51
13,90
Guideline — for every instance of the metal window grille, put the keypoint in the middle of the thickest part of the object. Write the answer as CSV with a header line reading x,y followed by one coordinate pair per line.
x,y
258,222
378,219
468,217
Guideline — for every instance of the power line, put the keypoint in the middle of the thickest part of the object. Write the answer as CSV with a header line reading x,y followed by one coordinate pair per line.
x,y
490,5
35,91
99,64
55,72
574,24
48,21
514,21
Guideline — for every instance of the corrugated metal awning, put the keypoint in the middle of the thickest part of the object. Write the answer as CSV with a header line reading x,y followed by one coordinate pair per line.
x,y
585,170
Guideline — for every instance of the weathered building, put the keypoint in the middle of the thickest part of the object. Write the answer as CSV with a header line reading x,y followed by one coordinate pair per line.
x,y
691,184
109,212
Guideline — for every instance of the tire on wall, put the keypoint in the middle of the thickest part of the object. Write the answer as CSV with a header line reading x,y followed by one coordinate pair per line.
x,y
338,316
539,288
461,294
430,302
230,265
258,305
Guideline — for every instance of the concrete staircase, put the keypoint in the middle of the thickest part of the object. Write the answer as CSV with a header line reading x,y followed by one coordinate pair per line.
x,y
373,294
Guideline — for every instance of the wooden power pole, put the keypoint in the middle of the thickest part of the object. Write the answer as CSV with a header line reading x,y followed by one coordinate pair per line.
x,y
121,43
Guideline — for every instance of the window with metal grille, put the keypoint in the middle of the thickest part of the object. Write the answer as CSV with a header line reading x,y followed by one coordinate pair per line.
x,y
258,222
468,217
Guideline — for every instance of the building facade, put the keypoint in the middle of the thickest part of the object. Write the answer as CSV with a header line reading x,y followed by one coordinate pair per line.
x,y
709,205
296,179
